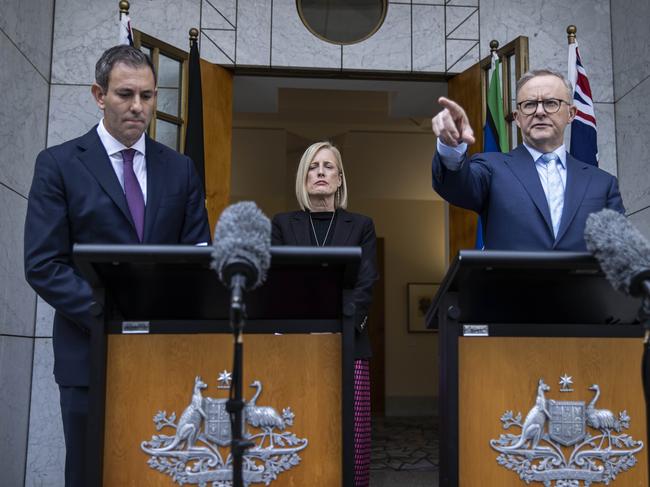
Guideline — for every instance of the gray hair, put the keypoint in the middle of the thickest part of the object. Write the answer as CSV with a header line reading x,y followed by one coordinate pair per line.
x,y
528,75
341,196
129,55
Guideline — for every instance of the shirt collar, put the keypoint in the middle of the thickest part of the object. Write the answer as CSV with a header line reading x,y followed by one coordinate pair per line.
x,y
560,152
113,146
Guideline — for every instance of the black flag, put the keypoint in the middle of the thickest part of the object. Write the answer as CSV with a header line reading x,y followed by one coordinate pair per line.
x,y
194,129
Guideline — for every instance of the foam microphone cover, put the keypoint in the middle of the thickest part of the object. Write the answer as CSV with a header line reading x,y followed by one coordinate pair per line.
x,y
621,250
242,242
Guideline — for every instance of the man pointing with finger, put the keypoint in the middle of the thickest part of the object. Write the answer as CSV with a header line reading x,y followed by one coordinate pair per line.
x,y
535,197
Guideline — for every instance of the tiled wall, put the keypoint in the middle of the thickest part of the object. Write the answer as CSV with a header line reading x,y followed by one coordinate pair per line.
x,y
631,47
422,36
426,36
25,46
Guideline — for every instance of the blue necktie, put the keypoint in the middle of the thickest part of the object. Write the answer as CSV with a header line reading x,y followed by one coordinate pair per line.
x,y
555,189
133,192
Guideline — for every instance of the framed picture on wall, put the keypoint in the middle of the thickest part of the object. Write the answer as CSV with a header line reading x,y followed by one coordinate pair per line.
x,y
419,298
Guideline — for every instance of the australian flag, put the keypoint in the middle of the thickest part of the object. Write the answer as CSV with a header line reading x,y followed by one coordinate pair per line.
x,y
584,134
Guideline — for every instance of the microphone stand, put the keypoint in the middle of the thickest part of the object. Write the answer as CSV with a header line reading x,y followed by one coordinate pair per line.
x,y
235,403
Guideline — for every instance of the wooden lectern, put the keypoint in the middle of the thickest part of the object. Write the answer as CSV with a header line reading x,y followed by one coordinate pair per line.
x,y
162,359
545,335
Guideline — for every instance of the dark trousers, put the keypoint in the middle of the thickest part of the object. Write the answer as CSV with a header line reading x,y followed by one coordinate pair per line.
x,y
74,412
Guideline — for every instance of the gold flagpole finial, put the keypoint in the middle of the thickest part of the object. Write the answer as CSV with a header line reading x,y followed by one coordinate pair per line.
x,y
194,35
124,7
494,45
571,31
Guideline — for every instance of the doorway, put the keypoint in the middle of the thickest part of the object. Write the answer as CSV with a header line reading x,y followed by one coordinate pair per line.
x,y
383,130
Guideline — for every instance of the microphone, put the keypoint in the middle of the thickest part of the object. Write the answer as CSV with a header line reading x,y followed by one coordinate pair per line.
x,y
621,250
242,241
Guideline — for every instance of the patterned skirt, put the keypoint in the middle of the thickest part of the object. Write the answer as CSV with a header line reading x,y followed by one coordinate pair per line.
x,y
361,423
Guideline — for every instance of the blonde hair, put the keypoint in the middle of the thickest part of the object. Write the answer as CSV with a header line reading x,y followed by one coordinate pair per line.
x,y
341,196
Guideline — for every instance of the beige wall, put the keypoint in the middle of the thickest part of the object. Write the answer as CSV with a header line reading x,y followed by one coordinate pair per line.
x,y
389,179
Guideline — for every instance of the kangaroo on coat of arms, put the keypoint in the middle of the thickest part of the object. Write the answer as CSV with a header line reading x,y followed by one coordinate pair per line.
x,y
537,455
195,454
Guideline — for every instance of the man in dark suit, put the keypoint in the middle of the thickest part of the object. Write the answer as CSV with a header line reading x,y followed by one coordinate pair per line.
x,y
112,185
535,197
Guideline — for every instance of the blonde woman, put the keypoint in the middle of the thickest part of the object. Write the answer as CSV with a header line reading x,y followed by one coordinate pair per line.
x,y
322,194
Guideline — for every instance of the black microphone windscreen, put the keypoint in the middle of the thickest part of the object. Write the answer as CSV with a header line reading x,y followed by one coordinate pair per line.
x,y
621,250
242,238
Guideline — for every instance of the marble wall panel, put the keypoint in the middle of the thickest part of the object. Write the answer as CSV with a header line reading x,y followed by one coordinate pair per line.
x,y
17,300
388,49
23,117
73,112
632,122
253,34
28,23
428,38
83,29
226,8
631,39
44,319
15,383
293,45
81,38
641,220
218,46
545,25
461,54
46,447
461,22
218,15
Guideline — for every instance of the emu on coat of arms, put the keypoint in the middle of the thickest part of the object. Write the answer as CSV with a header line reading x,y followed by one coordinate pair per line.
x,y
196,454
536,453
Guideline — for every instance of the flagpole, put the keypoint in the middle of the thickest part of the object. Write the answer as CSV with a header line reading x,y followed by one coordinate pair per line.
x,y
571,33
124,8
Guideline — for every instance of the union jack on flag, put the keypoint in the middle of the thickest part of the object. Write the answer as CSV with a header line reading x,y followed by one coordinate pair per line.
x,y
584,134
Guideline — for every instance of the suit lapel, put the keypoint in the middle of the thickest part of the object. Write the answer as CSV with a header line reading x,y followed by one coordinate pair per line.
x,y
342,228
301,228
577,181
156,169
522,165
96,160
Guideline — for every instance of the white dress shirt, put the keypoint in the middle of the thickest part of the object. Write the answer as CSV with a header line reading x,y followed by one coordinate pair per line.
x,y
113,149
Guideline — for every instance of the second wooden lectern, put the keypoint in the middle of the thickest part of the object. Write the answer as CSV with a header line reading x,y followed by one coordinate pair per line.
x,y
540,373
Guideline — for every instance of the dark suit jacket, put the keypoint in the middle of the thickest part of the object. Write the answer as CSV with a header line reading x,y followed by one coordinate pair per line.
x,y
76,198
351,229
504,188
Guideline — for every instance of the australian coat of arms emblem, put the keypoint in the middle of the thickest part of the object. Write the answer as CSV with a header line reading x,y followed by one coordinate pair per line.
x,y
567,443
196,450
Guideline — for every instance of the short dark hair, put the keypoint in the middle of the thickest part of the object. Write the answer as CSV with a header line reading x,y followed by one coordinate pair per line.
x,y
128,55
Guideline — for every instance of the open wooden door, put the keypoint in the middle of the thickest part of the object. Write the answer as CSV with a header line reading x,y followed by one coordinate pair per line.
x,y
216,84
469,89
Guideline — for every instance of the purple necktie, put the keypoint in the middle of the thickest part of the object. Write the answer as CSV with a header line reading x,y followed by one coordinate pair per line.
x,y
133,192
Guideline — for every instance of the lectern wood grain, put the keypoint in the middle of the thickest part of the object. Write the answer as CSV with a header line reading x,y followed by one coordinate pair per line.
x,y
500,374
150,373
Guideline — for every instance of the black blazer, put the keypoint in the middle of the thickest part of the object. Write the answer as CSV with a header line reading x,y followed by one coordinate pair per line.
x,y
76,198
350,229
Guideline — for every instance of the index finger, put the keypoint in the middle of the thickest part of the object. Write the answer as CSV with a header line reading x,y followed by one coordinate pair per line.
x,y
454,108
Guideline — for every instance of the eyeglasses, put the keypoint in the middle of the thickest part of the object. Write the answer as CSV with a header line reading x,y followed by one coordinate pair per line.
x,y
551,105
